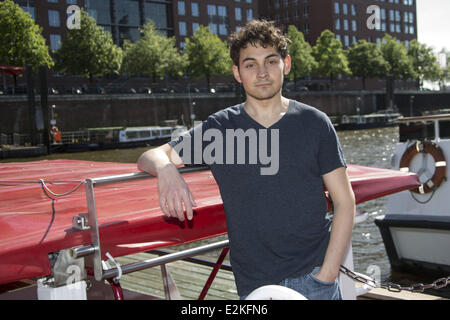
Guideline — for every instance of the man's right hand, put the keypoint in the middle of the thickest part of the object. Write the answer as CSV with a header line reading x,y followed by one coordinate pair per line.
x,y
173,192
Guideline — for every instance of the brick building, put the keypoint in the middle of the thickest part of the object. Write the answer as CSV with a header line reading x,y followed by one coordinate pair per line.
x,y
348,19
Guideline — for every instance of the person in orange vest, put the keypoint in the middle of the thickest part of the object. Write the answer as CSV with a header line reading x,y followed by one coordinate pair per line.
x,y
56,134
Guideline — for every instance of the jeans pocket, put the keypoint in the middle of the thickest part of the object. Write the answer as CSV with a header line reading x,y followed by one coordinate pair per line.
x,y
315,271
325,283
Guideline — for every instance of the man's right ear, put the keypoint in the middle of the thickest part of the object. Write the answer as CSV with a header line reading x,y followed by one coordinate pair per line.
x,y
236,74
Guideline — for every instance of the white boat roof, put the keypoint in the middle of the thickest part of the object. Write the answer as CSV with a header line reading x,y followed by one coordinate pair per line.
x,y
425,118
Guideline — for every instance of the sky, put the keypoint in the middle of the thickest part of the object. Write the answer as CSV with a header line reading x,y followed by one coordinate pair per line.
x,y
433,23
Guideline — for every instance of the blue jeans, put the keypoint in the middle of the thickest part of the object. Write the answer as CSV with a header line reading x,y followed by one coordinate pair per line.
x,y
313,288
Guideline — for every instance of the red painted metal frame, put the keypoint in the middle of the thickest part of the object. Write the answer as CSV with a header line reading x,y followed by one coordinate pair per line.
x,y
213,274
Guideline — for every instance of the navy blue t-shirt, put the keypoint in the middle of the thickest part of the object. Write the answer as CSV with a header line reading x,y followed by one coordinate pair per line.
x,y
270,180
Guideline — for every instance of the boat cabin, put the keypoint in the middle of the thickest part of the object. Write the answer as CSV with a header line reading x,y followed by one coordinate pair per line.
x,y
424,128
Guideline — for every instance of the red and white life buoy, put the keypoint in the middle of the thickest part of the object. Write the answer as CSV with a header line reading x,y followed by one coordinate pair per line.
x,y
439,162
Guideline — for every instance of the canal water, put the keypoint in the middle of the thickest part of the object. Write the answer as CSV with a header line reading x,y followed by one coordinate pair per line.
x,y
373,147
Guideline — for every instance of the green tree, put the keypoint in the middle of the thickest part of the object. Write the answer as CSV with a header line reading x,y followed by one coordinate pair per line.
x,y
152,55
366,61
424,62
303,62
445,74
88,51
21,40
330,57
399,65
207,55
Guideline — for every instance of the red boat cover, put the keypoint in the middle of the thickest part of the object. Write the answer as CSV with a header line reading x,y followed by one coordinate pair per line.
x,y
129,216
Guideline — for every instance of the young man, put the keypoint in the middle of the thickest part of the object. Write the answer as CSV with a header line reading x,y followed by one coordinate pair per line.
x,y
275,205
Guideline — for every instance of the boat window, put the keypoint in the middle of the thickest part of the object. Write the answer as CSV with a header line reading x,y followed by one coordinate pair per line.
x,y
144,134
132,134
444,129
416,131
166,132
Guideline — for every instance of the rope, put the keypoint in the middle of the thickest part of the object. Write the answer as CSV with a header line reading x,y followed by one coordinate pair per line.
x,y
49,194
44,187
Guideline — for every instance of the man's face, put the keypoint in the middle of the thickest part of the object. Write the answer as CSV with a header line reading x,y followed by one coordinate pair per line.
x,y
261,71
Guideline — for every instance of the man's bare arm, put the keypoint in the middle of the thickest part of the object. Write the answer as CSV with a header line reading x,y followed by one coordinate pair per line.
x,y
173,190
339,187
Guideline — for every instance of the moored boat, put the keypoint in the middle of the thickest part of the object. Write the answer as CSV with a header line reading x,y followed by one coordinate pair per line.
x,y
416,226
114,137
368,121
52,222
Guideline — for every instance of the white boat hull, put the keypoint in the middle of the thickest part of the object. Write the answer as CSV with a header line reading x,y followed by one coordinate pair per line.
x,y
417,243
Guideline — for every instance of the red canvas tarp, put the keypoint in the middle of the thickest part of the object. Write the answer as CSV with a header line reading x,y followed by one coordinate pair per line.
x,y
129,217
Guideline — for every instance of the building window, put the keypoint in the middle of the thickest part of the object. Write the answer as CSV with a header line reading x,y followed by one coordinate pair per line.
x,y
213,27
157,12
194,9
195,26
71,1
306,28
238,14
249,13
223,29
127,12
99,10
55,42
212,11
30,10
336,8
182,28
305,12
345,8
53,18
345,24
181,8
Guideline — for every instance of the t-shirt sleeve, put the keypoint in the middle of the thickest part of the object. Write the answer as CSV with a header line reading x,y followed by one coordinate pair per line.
x,y
330,155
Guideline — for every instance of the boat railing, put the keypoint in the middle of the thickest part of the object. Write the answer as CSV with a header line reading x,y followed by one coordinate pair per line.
x,y
75,137
111,274
90,223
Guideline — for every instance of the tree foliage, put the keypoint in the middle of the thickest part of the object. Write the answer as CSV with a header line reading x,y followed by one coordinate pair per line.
x,y
366,61
153,54
330,57
303,63
207,55
399,65
398,62
89,51
21,40
424,62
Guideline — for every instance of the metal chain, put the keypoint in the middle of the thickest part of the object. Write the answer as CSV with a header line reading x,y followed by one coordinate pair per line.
x,y
392,287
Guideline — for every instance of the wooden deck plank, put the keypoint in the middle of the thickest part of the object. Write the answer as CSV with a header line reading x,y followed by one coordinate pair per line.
x,y
189,278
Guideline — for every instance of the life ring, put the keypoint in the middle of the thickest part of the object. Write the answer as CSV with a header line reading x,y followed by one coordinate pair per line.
x,y
439,162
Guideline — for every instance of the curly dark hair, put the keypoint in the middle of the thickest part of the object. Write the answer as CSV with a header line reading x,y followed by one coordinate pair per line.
x,y
258,32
